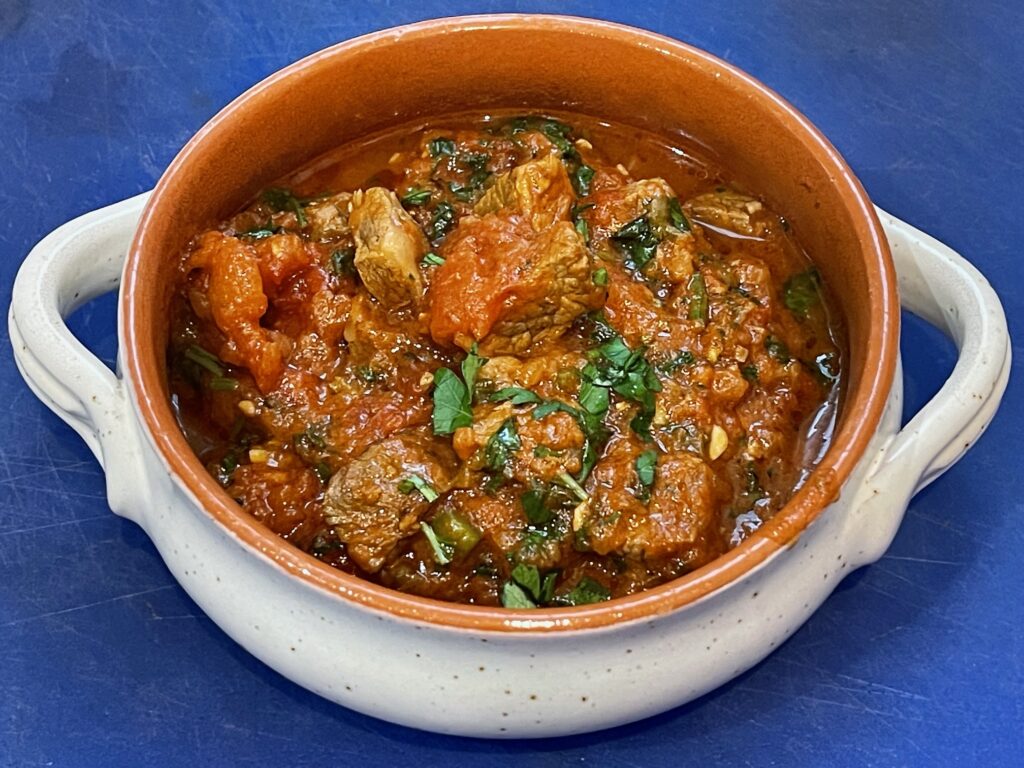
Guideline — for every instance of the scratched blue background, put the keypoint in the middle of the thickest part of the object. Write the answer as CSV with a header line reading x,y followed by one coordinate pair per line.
x,y
916,660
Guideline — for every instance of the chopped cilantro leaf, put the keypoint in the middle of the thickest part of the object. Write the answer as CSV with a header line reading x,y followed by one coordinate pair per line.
x,y
415,482
343,262
283,200
451,403
441,146
638,242
676,215
513,596
515,395
586,592
777,348
442,550
501,445
416,196
801,292
698,298
581,179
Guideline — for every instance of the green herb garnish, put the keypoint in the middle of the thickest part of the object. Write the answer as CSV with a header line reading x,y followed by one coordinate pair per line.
x,y
204,359
698,298
343,262
283,200
676,215
223,383
417,483
440,222
646,464
749,372
440,146
802,292
600,277
682,360
453,397
515,395
416,196
442,550
513,596
586,592
431,259
501,445
777,348
323,471
581,179
638,242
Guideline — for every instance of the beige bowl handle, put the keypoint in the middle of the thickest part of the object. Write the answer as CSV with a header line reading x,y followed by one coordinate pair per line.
x,y
942,287
74,264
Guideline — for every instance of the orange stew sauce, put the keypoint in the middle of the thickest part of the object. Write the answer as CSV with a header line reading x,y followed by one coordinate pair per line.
x,y
506,360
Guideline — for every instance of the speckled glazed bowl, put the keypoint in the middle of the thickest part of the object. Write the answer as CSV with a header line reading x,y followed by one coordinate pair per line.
x,y
488,671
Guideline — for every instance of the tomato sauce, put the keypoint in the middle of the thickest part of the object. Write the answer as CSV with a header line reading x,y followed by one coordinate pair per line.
x,y
507,360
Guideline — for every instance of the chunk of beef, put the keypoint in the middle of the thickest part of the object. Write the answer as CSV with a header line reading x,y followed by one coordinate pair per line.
x,y
368,508
539,191
328,217
389,246
732,211
508,288
679,521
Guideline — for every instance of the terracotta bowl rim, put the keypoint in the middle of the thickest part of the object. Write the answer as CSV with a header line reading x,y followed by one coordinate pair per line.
x,y
864,406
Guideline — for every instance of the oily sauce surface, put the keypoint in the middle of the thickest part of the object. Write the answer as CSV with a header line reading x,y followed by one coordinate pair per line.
x,y
506,360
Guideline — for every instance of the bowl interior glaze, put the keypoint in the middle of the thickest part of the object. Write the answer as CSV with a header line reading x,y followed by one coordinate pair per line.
x,y
536,63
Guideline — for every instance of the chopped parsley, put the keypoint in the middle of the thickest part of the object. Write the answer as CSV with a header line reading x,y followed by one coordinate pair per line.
x,y
801,292
343,262
431,259
501,445
416,196
600,277
583,230
526,588
586,592
697,298
441,146
515,395
677,217
440,222
417,483
646,464
749,372
581,179
283,200
453,397
443,551
637,241
777,348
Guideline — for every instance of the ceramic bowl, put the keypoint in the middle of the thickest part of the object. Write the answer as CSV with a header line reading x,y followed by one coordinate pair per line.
x,y
489,671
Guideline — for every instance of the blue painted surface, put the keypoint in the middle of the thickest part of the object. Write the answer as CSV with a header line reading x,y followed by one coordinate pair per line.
x,y
916,660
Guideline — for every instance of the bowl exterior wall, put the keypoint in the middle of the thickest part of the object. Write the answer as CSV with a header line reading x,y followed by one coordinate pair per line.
x,y
500,684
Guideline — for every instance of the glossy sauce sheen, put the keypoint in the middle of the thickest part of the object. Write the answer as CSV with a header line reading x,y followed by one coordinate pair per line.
x,y
653,363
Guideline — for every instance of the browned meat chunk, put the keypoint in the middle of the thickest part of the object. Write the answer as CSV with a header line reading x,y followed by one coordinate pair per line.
x,y
682,511
328,217
367,502
539,191
731,211
389,246
508,288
